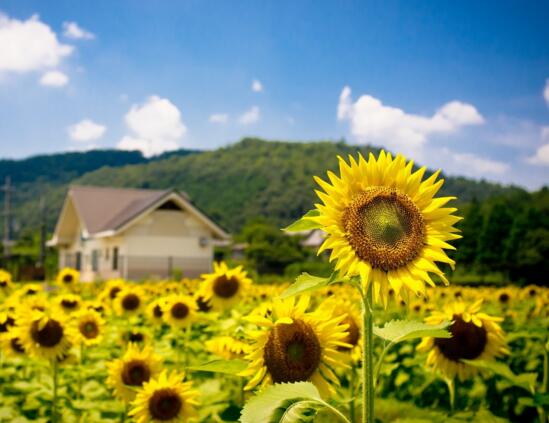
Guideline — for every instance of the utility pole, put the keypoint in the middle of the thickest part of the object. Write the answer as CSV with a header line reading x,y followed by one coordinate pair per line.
x,y
7,189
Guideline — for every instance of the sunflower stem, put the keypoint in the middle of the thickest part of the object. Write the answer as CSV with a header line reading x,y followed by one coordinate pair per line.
x,y
451,392
367,357
352,390
54,399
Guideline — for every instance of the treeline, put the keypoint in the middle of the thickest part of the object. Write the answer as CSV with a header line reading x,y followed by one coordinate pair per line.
x,y
507,234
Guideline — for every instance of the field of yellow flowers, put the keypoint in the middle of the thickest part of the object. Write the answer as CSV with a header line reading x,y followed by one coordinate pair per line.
x,y
385,338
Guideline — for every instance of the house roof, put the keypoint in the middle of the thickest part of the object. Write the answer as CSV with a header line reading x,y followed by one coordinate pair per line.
x,y
107,210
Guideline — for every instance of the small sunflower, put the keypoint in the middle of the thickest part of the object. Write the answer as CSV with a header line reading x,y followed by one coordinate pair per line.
x,y
11,344
112,289
129,301
295,346
227,347
68,278
179,311
42,334
136,367
504,297
7,321
155,311
69,303
135,336
224,287
166,399
87,327
6,283
382,223
475,336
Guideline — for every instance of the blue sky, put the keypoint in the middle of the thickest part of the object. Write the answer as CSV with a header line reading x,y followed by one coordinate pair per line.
x,y
457,85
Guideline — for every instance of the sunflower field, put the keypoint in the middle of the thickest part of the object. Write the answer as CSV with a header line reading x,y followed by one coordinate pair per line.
x,y
385,338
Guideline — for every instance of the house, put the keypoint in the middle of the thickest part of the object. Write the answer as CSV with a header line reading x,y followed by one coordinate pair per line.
x,y
134,234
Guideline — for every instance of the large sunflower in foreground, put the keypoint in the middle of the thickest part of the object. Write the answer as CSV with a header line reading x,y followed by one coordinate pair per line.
x,y
475,336
166,399
43,335
136,367
224,287
68,278
383,223
294,345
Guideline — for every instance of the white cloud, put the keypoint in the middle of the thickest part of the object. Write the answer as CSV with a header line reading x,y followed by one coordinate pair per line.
x,y
86,130
479,166
257,86
542,153
54,79
250,116
372,121
156,127
72,30
29,45
221,118
546,91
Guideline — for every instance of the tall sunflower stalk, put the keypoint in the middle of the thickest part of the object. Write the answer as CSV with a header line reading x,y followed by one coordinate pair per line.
x,y
384,228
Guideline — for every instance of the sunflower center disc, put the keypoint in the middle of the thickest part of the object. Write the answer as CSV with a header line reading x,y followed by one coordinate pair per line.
x,y
504,298
49,336
89,330
180,310
225,287
7,323
114,292
157,311
16,346
135,373
353,332
130,302
135,337
203,305
165,404
292,352
385,228
468,341
67,278
3,284
70,304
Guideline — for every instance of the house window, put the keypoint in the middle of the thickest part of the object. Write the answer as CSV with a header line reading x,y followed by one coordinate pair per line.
x,y
78,264
115,258
95,260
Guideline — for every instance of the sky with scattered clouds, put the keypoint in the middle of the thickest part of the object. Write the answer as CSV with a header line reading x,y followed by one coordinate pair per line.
x,y
458,85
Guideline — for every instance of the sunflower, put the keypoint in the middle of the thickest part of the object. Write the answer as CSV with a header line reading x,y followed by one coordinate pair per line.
x,y
155,311
7,321
112,289
475,336
87,327
352,318
295,345
179,311
129,301
136,367
227,347
166,399
68,278
224,287
135,336
504,297
382,223
69,303
42,334
5,281
11,344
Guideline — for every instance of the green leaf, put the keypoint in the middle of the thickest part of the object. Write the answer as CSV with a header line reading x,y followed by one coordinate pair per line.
x,y
231,367
526,381
284,403
307,283
401,330
304,223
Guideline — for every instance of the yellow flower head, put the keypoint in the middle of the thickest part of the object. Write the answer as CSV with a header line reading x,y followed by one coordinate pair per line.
x,y
6,283
475,336
43,334
384,224
68,278
294,345
68,303
11,344
136,367
224,287
166,399
179,310
129,301
227,347
155,311
87,327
